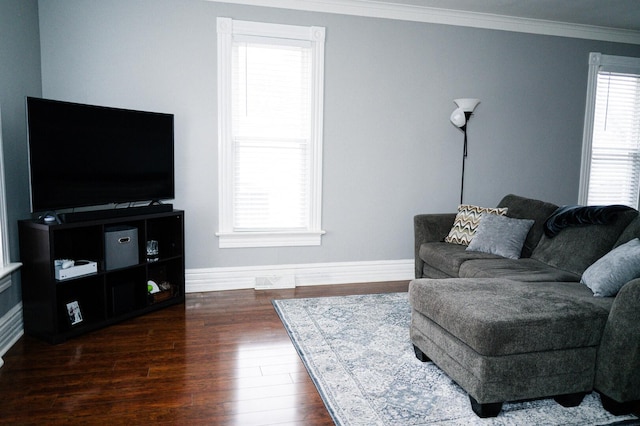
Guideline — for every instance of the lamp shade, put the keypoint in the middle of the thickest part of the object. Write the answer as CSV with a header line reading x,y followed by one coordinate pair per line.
x,y
467,104
457,117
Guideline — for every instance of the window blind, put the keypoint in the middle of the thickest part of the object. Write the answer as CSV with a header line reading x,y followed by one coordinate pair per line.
x,y
271,122
615,156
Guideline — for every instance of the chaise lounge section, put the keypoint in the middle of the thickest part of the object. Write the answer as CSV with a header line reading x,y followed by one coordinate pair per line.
x,y
525,326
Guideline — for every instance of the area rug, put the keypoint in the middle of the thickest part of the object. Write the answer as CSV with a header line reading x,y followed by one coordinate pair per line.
x,y
358,354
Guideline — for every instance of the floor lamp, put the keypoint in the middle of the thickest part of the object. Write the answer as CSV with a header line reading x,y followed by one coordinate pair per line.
x,y
459,117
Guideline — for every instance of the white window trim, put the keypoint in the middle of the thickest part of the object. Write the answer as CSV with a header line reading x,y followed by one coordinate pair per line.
x,y
6,267
597,62
227,28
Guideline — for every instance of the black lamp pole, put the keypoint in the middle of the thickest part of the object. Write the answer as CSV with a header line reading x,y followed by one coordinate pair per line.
x,y
467,115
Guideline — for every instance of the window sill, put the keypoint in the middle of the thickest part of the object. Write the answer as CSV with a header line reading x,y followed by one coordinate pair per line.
x,y
5,275
9,268
269,239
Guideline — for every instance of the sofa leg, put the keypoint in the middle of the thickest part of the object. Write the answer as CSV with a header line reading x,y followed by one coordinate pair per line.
x,y
420,355
570,400
491,409
616,408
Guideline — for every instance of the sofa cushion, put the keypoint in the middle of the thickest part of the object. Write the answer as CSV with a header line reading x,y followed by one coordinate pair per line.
x,y
501,235
526,270
574,249
466,222
448,257
630,232
429,271
502,317
528,208
613,270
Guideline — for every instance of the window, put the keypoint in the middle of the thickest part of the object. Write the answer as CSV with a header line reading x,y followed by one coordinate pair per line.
x,y
270,102
610,171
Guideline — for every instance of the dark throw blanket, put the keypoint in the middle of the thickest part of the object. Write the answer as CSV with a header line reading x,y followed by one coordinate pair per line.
x,y
566,216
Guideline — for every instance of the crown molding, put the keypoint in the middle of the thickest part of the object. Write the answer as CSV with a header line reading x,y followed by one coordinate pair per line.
x,y
381,9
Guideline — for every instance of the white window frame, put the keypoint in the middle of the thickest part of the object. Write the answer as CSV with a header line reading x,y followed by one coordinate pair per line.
x,y
228,237
598,62
6,267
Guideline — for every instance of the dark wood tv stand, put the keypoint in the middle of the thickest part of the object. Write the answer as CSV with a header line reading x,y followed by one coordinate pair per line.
x,y
108,295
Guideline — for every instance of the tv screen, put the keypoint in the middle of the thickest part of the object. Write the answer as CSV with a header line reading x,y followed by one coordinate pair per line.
x,y
85,155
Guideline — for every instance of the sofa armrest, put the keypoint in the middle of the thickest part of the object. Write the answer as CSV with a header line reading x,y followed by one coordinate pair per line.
x,y
429,228
618,363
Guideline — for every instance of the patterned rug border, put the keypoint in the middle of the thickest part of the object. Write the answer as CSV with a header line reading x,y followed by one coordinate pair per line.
x,y
303,356
284,308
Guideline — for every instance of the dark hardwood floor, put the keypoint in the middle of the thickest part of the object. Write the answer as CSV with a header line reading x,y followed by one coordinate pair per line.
x,y
222,358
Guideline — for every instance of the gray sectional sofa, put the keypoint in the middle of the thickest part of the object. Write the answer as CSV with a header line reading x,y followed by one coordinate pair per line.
x,y
525,326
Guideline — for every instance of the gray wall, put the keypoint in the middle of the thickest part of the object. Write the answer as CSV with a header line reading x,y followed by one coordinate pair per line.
x,y
389,149
19,77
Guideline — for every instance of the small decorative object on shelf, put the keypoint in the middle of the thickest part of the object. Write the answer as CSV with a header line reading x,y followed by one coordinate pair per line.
x,y
73,309
165,291
153,255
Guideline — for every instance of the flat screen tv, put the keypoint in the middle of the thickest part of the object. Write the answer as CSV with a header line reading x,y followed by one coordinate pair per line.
x,y
86,155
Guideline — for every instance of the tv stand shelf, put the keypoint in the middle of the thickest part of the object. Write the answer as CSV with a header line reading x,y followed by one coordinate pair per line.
x,y
56,310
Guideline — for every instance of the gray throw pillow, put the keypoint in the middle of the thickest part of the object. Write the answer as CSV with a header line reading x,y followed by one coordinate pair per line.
x,y
613,270
500,235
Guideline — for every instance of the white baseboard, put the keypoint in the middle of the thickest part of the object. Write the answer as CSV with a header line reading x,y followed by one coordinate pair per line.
x,y
11,329
243,277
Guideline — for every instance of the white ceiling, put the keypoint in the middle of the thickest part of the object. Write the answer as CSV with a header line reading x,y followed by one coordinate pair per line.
x,y
620,14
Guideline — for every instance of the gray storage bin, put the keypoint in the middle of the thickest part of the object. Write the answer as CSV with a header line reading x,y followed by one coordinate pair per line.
x,y
120,247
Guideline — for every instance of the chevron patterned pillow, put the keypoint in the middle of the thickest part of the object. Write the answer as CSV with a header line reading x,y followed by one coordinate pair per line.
x,y
466,222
